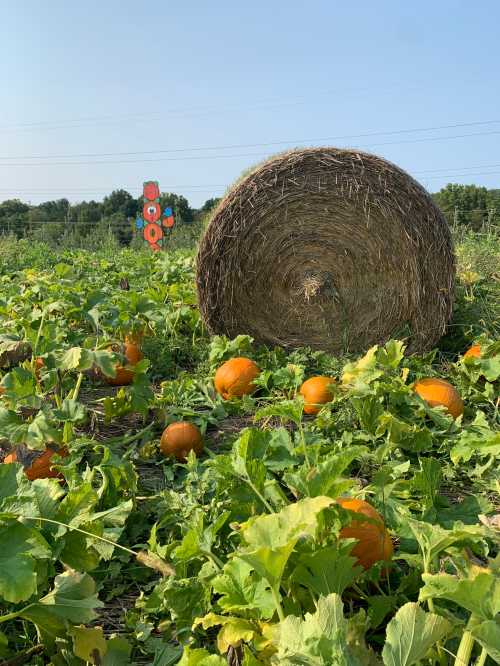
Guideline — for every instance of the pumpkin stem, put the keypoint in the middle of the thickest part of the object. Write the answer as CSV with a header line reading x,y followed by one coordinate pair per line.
x,y
277,603
464,649
139,556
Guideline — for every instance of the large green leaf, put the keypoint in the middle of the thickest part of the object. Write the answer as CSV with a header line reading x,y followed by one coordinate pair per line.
x,y
294,521
328,570
325,477
21,547
433,539
478,439
410,635
73,600
233,631
479,595
200,657
487,634
241,593
320,639
88,643
269,563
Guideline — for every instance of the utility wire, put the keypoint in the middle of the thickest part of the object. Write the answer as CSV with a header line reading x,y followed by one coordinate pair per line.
x,y
256,155
198,110
253,145
443,172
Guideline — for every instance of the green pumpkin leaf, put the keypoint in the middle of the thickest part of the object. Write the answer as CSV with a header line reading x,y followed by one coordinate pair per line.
x,y
234,630
479,595
410,635
320,639
88,643
326,571
21,547
278,529
487,634
118,652
241,593
200,657
73,600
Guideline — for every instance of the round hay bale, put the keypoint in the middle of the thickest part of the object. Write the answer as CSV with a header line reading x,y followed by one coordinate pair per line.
x,y
328,248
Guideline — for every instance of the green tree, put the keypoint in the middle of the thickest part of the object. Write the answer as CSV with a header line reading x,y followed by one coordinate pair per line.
x,y
119,201
464,204
13,216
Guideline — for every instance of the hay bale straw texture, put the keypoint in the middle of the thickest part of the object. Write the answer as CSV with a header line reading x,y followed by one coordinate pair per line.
x,y
328,248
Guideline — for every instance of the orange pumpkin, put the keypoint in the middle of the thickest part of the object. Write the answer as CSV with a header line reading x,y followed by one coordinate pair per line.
x,y
179,438
124,376
374,543
2,390
37,465
235,377
474,351
438,392
39,364
134,338
316,391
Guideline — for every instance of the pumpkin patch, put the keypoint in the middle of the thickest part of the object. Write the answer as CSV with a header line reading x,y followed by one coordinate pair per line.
x,y
194,523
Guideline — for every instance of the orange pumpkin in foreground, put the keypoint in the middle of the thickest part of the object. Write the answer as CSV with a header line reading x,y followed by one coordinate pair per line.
x,y
235,377
474,351
37,465
437,392
316,392
124,376
374,543
179,438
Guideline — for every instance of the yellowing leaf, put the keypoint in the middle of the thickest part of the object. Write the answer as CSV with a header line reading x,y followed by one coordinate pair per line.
x,y
88,643
233,629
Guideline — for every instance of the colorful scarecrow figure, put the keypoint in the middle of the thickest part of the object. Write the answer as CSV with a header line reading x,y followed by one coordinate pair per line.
x,y
151,211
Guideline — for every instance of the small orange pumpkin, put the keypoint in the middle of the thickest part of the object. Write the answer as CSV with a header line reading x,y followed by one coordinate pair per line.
x,y
39,364
474,351
125,376
179,438
316,391
436,392
235,377
37,465
374,543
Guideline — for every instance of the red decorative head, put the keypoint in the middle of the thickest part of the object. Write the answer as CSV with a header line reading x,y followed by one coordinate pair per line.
x,y
151,190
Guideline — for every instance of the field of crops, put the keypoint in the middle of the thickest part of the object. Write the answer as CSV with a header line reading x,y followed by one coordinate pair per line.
x,y
242,555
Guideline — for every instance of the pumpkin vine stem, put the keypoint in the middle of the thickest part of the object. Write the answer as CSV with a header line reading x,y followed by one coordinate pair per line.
x,y
482,657
138,555
277,602
464,649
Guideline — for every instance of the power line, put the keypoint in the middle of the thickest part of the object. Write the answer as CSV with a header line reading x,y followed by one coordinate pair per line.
x,y
442,172
203,110
256,155
254,145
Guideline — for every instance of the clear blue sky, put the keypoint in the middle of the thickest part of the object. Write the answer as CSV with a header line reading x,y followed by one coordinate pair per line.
x,y
93,77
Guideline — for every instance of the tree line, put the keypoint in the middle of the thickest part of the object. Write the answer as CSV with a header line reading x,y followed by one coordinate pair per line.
x,y
463,205
117,212
469,205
